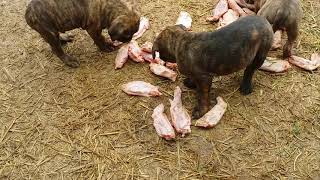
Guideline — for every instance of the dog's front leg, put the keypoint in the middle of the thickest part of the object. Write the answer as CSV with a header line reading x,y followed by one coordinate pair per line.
x,y
203,84
100,40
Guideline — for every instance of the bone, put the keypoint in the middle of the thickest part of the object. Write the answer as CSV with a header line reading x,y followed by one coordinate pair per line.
x,y
184,19
135,52
275,65
306,64
163,71
140,88
234,6
181,120
212,118
143,27
277,43
219,10
122,56
162,124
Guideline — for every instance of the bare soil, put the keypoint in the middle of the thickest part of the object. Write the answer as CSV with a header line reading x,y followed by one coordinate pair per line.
x,y
63,123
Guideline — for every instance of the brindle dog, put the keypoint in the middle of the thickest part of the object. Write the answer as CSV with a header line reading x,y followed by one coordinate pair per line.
x,y
242,44
51,17
283,15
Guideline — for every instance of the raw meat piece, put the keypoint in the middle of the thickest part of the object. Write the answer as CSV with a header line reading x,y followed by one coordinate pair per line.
x,y
181,120
143,27
276,40
213,117
147,47
163,71
161,123
158,60
135,51
219,10
249,12
122,56
171,65
229,17
184,19
140,88
147,57
234,6
306,64
275,65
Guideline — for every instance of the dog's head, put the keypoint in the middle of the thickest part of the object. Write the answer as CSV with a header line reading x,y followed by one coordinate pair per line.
x,y
123,28
165,42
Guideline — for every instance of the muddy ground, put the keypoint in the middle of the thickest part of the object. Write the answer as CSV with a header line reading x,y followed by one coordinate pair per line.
x,y
62,123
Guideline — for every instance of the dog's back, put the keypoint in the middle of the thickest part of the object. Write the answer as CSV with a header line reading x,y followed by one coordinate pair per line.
x,y
231,48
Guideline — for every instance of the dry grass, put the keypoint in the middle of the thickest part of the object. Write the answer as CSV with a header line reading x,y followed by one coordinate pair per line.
x,y
62,123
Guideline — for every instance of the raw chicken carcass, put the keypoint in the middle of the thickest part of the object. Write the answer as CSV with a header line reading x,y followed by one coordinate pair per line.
x,y
163,71
135,51
306,64
181,120
234,6
184,19
219,10
277,40
161,123
147,47
229,17
140,88
212,118
275,65
249,12
122,56
143,27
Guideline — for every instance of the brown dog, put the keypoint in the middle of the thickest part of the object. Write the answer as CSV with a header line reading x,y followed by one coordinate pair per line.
x,y
243,44
283,15
51,17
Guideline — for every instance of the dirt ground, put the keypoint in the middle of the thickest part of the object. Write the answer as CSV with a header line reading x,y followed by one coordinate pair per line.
x,y
62,123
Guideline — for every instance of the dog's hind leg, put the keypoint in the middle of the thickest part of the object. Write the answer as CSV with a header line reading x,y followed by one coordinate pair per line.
x,y
246,84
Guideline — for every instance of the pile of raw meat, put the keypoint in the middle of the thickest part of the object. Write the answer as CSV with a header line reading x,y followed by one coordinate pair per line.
x,y
228,11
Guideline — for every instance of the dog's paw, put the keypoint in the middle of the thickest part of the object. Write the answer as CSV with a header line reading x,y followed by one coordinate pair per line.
x,y
71,61
245,89
189,83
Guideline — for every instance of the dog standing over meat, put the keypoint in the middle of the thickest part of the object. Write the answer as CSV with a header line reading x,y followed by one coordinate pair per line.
x,y
51,17
283,15
243,44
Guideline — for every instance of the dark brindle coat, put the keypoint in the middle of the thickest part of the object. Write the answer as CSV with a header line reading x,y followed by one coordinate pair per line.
x,y
242,44
51,17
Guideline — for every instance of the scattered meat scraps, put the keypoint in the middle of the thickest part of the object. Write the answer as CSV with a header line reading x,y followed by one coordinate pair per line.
x,y
135,51
143,27
147,47
306,64
275,65
229,17
181,120
140,88
219,10
163,71
161,123
277,43
212,118
122,56
234,6
184,19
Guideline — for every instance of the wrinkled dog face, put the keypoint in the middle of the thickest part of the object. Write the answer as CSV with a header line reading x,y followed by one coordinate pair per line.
x,y
123,28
